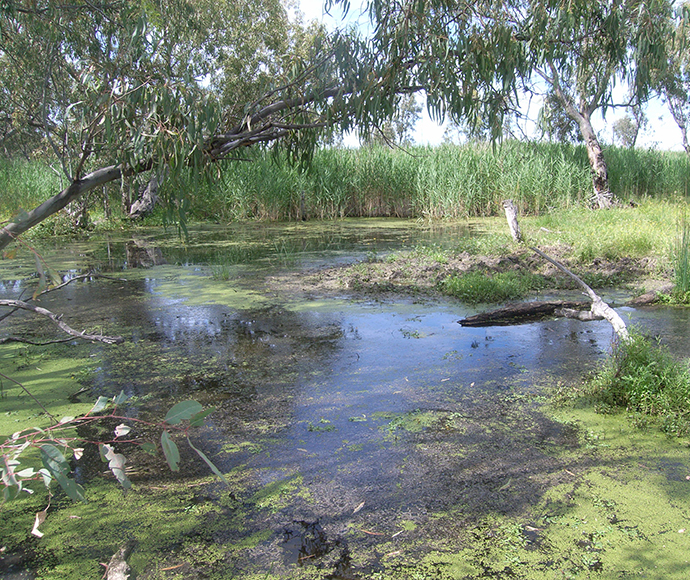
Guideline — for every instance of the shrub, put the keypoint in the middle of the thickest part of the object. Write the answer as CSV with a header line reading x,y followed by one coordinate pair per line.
x,y
643,377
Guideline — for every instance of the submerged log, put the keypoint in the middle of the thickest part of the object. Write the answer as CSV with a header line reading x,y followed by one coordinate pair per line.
x,y
526,312
118,568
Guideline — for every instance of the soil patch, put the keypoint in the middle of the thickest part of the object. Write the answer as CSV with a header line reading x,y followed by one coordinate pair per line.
x,y
417,273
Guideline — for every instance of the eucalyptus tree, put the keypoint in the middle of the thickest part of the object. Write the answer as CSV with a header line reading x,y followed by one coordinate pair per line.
x,y
472,57
113,88
675,83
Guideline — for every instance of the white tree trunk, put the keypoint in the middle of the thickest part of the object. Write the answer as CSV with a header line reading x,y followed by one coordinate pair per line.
x,y
511,216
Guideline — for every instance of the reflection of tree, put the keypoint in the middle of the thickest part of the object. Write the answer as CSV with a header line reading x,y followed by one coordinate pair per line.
x,y
140,254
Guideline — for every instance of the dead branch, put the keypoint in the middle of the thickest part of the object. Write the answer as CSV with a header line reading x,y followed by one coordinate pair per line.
x,y
32,342
118,568
64,327
599,307
523,312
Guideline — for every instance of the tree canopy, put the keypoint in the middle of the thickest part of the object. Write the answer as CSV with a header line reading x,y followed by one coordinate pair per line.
x,y
116,87
473,58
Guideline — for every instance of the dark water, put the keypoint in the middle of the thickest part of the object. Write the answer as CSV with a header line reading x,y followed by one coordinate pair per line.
x,y
360,399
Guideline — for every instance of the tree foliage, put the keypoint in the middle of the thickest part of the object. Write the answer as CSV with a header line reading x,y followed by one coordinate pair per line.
x,y
471,58
114,88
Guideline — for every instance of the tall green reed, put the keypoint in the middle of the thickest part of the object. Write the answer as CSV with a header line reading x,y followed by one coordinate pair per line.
x,y
681,263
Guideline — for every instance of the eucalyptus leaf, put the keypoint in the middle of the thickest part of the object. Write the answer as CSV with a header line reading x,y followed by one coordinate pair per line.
x,y
171,452
119,399
101,403
122,430
182,411
148,447
209,463
197,420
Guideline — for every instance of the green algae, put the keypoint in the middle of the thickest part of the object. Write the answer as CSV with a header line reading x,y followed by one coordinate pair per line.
x,y
278,494
50,375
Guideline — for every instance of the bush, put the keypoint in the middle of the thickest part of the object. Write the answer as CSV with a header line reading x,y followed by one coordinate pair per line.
x,y
643,377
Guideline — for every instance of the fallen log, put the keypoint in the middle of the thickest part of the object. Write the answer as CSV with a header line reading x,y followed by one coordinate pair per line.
x,y
525,312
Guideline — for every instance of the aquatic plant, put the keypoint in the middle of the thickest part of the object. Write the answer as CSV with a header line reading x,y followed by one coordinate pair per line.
x,y
644,378
479,287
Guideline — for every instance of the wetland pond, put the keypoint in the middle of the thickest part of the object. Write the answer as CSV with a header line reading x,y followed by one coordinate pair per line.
x,y
361,437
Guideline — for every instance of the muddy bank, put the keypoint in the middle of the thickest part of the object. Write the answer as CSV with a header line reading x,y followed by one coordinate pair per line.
x,y
420,273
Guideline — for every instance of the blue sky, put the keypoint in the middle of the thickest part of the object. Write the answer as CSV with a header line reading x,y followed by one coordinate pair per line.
x,y
661,131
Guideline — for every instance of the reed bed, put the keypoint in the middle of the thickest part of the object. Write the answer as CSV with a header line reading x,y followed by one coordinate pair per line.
x,y
435,183
25,184
422,182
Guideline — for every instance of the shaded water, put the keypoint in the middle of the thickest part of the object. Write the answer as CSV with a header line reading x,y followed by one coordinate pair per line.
x,y
346,420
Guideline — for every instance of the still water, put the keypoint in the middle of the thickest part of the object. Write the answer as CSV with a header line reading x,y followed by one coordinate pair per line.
x,y
343,411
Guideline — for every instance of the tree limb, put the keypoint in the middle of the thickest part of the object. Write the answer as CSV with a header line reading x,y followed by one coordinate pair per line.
x,y
64,327
599,307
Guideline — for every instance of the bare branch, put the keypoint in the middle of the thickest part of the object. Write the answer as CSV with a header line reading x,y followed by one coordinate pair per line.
x,y
64,327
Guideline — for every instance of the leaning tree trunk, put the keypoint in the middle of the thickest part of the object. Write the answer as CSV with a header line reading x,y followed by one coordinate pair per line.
x,y
76,189
602,196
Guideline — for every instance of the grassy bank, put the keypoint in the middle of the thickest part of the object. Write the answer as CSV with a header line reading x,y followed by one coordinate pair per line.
x,y
424,182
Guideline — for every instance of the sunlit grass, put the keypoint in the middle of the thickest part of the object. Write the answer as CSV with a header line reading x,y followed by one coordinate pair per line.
x,y
612,234
480,287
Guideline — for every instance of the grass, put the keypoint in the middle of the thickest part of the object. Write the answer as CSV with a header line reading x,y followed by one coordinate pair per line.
x,y
479,287
642,377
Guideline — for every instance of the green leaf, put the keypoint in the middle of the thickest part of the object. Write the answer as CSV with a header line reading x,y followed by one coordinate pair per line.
x,y
182,411
171,452
53,460
209,463
73,490
119,399
101,403
10,492
55,277
149,448
197,420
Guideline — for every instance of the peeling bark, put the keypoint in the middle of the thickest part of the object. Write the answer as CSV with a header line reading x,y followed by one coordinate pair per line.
x,y
602,196
147,200
511,216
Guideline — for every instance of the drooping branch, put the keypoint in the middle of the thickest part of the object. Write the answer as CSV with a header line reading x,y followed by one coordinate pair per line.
x,y
57,320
